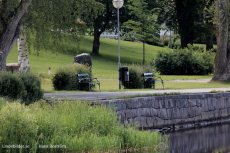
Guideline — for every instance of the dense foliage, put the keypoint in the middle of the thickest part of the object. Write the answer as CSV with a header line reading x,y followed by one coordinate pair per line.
x,y
142,26
65,78
184,62
23,87
45,20
136,80
32,85
68,127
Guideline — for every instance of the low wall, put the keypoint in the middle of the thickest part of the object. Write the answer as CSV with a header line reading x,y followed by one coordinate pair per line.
x,y
159,112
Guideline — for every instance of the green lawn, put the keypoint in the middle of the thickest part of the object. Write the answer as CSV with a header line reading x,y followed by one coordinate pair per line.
x,y
104,65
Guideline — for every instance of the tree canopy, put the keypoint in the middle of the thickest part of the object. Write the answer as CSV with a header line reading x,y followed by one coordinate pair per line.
x,y
47,20
142,26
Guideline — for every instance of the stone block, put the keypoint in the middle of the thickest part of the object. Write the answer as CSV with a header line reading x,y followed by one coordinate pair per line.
x,y
121,116
120,106
146,112
147,104
184,113
169,103
156,104
161,104
131,113
150,122
133,104
169,114
160,122
162,113
192,112
224,113
192,102
199,102
205,116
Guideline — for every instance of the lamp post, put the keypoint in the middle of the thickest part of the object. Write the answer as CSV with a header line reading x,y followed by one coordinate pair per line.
x,y
118,4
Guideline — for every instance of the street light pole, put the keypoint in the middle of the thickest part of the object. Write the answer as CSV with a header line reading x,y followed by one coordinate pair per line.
x,y
119,59
118,4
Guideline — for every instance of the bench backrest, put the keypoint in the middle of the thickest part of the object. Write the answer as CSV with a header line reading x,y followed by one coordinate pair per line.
x,y
83,77
148,75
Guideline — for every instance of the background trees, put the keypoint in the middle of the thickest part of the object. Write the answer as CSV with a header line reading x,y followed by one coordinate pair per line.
x,y
191,19
46,20
106,21
142,26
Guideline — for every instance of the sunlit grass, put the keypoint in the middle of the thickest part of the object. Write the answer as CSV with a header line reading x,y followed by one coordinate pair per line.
x,y
105,66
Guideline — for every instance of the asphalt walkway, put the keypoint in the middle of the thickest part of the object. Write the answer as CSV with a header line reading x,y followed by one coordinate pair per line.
x,y
109,95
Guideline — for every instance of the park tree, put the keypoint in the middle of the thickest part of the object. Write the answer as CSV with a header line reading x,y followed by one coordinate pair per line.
x,y
191,19
188,14
142,26
106,21
222,58
45,23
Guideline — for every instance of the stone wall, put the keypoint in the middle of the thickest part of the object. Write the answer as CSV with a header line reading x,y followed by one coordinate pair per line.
x,y
159,112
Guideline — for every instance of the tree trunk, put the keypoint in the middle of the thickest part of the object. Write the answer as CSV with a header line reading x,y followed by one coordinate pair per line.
x,y
143,53
22,55
209,43
185,23
96,42
10,34
222,58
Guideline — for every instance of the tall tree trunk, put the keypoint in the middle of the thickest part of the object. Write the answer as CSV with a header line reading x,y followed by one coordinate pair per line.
x,y
10,34
143,53
222,58
209,43
96,42
22,55
185,22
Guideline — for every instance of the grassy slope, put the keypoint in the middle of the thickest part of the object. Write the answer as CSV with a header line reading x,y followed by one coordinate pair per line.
x,y
104,65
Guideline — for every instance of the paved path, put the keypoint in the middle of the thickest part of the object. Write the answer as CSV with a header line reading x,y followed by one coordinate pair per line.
x,y
108,95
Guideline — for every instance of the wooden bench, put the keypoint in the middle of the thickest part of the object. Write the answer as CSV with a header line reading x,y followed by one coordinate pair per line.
x,y
149,78
84,79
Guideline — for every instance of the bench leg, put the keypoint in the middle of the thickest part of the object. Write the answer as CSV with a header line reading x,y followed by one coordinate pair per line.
x,y
98,85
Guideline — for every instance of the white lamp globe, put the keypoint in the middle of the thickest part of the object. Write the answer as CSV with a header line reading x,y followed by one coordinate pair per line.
x,y
118,3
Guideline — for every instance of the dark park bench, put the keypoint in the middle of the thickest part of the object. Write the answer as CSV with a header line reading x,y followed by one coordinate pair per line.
x,y
84,80
150,80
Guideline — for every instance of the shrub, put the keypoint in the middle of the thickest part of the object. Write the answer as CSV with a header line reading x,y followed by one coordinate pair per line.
x,y
184,62
65,78
25,87
136,76
11,87
32,85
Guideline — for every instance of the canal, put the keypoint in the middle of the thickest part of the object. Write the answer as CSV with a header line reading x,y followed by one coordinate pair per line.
x,y
209,139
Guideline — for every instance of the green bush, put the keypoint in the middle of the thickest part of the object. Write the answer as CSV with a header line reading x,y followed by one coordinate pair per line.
x,y
136,76
65,78
25,87
11,87
33,91
184,62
